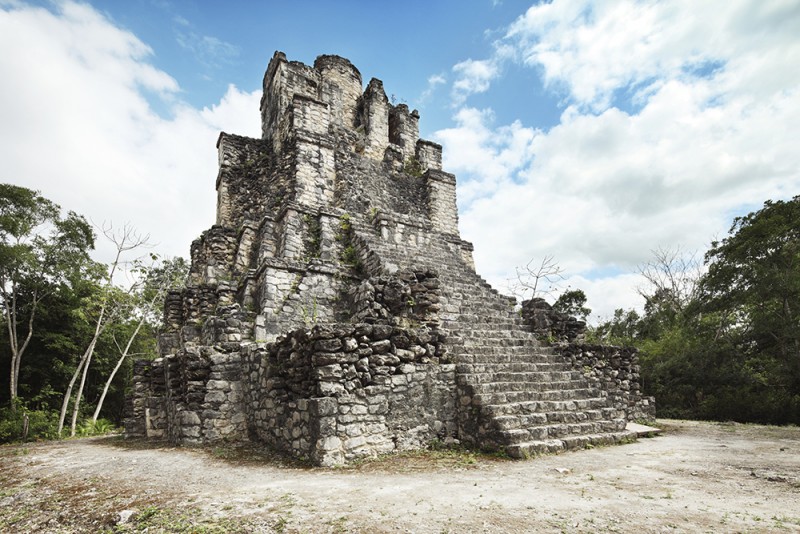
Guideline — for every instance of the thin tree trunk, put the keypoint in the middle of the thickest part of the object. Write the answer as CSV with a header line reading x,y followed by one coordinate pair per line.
x,y
83,365
123,354
77,404
102,323
68,393
127,240
12,342
21,350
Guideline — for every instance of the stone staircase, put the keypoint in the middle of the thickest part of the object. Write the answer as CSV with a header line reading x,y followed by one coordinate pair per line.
x,y
514,394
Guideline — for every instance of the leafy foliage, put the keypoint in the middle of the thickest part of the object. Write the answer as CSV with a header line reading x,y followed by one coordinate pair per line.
x,y
573,302
41,424
724,344
52,295
40,253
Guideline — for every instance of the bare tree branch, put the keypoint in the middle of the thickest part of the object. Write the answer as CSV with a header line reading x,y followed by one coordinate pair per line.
x,y
672,276
536,280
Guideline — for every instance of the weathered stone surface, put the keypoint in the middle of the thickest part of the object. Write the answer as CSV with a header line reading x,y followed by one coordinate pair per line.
x,y
333,311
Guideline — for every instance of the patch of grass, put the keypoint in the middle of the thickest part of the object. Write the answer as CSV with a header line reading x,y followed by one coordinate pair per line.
x,y
782,521
101,427
339,525
280,524
158,519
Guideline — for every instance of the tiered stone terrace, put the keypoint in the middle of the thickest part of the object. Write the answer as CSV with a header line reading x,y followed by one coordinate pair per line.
x,y
334,312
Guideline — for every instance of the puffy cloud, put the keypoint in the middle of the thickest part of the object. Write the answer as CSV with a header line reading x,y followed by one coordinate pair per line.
x,y
80,125
595,49
678,117
473,76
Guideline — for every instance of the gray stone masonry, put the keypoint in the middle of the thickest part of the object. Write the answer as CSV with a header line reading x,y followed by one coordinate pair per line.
x,y
550,324
333,310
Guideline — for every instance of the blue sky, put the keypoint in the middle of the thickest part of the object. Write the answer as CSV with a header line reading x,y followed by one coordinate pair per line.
x,y
206,46
593,132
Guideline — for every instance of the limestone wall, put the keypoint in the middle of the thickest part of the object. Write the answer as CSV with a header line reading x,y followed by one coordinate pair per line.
x,y
429,155
408,298
441,197
340,86
193,396
404,130
243,181
213,255
550,324
336,393
293,296
614,370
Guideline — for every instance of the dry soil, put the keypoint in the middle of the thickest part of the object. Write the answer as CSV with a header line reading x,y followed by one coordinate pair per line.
x,y
696,477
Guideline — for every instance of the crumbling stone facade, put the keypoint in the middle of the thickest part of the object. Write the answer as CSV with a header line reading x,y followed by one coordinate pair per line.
x,y
334,312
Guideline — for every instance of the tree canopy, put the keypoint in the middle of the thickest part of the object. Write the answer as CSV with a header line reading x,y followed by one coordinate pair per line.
x,y
724,344
40,251
60,308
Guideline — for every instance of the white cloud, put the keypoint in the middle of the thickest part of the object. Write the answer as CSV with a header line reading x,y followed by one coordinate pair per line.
x,y
711,132
77,125
596,48
434,81
473,76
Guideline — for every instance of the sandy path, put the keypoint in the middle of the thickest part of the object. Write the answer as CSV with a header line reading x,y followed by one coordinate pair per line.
x,y
696,477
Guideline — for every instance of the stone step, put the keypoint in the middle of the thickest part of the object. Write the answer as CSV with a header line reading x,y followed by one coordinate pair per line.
x,y
536,447
497,341
560,430
508,347
490,338
519,377
479,399
467,355
549,406
517,387
514,367
510,422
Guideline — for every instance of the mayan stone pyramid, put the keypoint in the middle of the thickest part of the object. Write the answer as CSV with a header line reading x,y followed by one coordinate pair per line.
x,y
334,312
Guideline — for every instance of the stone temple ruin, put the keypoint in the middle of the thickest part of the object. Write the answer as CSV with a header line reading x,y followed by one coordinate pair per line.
x,y
333,311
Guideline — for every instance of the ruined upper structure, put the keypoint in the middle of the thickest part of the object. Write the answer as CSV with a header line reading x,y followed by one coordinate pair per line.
x,y
333,311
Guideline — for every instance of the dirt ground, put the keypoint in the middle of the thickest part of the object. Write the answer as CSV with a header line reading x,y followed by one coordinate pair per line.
x,y
696,477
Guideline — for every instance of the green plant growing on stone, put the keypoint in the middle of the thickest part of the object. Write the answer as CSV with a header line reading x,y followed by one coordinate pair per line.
x,y
413,167
313,238
350,257
345,224
310,316
349,254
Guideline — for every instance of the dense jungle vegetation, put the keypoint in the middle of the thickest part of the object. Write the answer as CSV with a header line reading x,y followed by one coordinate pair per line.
x,y
720,339
71,325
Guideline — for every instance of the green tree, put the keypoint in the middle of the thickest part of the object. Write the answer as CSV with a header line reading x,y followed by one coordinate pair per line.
x,y
39,251
573,302
622,329
111,306
146,301
753,285
725,344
